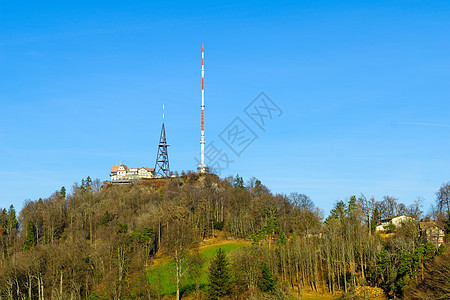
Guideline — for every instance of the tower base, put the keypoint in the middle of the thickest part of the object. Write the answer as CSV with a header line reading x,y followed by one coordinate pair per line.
x,y
202,169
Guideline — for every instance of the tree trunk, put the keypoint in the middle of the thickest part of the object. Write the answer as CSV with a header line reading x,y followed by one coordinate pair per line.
x,y
39,287
178,273
17,287
298,281
29,286
42,285
330,279
10,288
363,276
221,220
61,286
422,269
344,271
159,234
91,231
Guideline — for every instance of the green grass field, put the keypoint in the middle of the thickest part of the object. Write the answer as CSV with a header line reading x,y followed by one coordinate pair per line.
x,y
162,275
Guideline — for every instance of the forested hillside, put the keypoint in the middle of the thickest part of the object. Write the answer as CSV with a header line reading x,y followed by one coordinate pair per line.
x,y
101,242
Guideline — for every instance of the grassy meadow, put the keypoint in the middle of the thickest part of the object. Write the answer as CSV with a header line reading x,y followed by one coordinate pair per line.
x,y
161,274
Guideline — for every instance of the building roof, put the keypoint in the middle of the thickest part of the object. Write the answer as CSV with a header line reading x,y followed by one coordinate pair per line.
x,y
115,168
426,225
394,217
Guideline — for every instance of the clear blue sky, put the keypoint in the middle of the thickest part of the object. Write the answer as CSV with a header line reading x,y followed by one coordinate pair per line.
x,y
364,88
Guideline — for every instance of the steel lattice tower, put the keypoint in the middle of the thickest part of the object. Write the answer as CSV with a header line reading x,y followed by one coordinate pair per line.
x,y
162,158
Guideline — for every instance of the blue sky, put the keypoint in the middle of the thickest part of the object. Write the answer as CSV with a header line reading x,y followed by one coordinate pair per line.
x,y
364,88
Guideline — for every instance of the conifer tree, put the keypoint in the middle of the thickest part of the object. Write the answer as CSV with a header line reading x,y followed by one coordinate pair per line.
x,y
441,250
106,218
219,276
267,283
12,224
238,182
30,240
62,192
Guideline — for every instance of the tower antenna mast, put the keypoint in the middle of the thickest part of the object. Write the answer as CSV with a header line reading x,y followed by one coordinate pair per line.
x,y
162,157
202,168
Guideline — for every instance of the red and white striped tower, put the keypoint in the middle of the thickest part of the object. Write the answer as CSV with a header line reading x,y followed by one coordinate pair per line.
x,y
202,167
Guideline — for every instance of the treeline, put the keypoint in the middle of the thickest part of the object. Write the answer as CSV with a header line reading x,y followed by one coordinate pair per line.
x,y
97,242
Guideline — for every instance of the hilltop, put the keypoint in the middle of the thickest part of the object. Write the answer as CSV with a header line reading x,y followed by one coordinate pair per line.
x,y
127,241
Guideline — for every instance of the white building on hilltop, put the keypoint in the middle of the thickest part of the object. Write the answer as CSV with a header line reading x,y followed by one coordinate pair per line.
x,y
121,173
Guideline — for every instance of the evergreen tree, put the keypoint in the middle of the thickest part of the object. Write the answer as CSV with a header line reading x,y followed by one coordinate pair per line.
x,y
86,185
3,218
267,283
406,270
10,225
282,239
123,228
62,192
338,211
146,236
238,182
441,250
30,240
93,296
430,250
268,231
219,276
351,206
12,222
88,181
106,218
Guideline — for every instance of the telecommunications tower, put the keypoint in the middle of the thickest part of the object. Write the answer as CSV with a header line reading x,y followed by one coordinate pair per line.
x,y
202,168
162,157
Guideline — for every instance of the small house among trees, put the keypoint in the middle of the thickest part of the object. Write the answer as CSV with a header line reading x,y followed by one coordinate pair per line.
x,y
386,224
432,233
